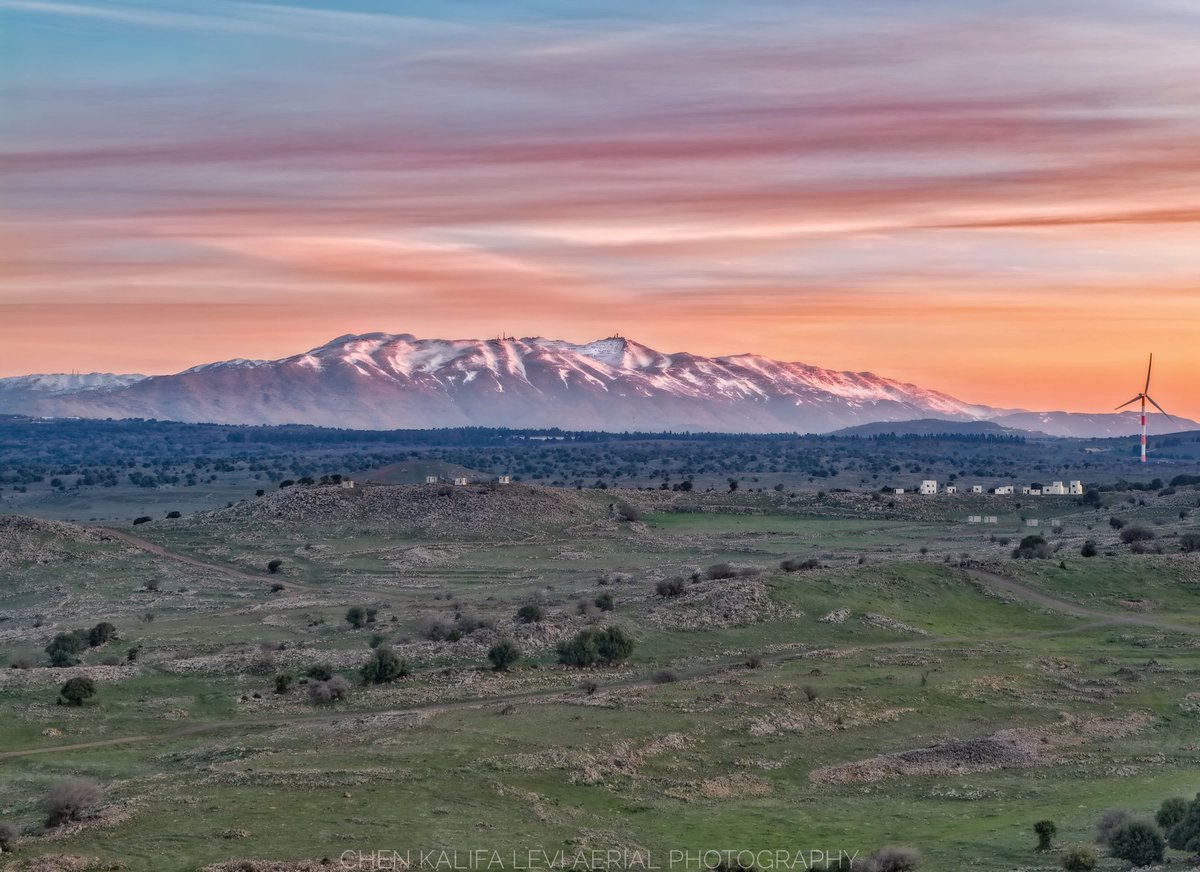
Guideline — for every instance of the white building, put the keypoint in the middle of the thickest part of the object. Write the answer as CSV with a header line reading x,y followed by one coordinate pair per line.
x,y
1055,489
1031,522
974,519
951,489
1076,487
1025,490
506,479
431,479
899,490
929,486
976,488
990,519
1004,489
460,480
1035,492
348,483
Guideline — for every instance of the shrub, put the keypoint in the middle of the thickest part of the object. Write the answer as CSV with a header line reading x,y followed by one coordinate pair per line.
x,y
754,661
101,634
810,692
132,654
144,519
437,630
1111,820
1171,812
76,690
1138,842
384,666
665,676
376,640
334,689
894,859
284,682
530,614
174,515
8,836
1185,835
1116,523
595,645
1045,832
1136,534
623,511
68,800
356,617
319,672
721,571
273,565
670,587
276,587
798,565
1190,542
1079,860
22,663
1088,549
64,649
605,602
503,654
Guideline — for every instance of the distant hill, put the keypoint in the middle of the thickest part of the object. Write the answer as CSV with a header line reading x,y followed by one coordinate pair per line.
x,y
931,427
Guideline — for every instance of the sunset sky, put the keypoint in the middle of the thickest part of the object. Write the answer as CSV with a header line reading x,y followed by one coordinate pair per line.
x,y
1000,200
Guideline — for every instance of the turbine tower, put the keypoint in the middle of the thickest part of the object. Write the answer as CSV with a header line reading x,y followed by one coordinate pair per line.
x,y
1144,396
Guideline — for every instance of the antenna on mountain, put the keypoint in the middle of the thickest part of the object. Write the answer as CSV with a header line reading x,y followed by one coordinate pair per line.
x,y
1144,396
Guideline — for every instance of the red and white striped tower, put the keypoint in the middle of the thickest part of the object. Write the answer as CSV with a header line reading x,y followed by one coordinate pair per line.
x,y
1143,428
1145,397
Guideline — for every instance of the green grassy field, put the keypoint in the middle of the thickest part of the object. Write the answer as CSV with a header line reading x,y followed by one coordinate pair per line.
x,y
888,645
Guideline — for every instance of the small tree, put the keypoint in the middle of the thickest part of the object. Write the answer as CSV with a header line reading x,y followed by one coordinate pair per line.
x,y
615,645
670,587
1129,535
76,691
273,565
1088,549
1045,832
503,654
1079,860
356,617
68,800
334,689
1138,842
8,837
384,666
530,614
319,672
64,649
284,682
1185,835
101,634
1109,822
1171,812
605,602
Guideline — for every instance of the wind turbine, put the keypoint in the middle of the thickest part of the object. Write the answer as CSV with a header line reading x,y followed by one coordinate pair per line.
x,y
1144,396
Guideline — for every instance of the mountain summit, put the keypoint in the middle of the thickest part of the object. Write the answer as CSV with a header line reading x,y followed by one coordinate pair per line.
x,y
383,380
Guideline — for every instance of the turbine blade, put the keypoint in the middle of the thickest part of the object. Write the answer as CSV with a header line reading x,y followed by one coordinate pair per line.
x,y
1123,405
1160,408
1148,366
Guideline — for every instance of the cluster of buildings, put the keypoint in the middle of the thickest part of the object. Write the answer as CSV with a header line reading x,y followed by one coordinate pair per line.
x,y
462,480
929,487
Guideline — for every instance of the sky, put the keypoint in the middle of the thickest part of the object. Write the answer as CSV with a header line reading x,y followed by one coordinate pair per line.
x,y
999,200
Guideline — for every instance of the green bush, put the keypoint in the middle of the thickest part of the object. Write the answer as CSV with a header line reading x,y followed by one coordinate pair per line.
x,y
670,587
319,672
1088,549
101,634
1171,812
76,691
68,800
284,682
1111,820
384,666
894,859
64,649
595,645
1185,835
356,617
605,602
8,836
1079,860
503,654
530,614
1138,842
1046,831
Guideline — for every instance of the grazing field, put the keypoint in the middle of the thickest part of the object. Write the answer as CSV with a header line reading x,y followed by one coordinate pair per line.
x,y
815,673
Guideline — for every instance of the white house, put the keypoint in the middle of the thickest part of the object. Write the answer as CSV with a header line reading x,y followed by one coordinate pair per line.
x,y
460,480
990,519
506,479
976,488
899,490
974,519
347,483
1031,522
1025,490
929,486
951,489
1035,491
1004,489
1055,489
1076,487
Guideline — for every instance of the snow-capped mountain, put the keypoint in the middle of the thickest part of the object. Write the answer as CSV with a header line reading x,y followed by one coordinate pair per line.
x,y
380,380
22,389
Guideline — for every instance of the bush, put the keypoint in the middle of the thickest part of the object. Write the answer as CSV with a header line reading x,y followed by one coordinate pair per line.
x,y
319,672
810,692
64,649
8,837
894,859
1088,549
1032,547
273,565
334,689
754,661
76,690
144,519
1185,835
1079,860
376,640
503,654
101,634
384,666
596,645
1129,535
68,800
276,587
1138,842
665,676
1045,832
721,571
284,682
798,565
530,614
1171,812
1111,820
670,587
1190,542
623,511
605,602
356,617
1116,523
